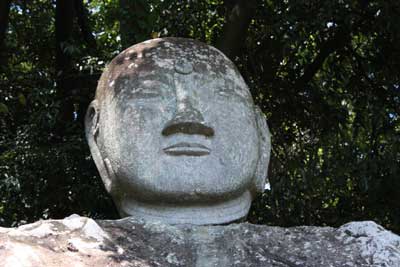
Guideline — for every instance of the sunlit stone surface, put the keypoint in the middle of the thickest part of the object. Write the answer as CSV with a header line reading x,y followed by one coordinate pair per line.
x,y
80,241
175,134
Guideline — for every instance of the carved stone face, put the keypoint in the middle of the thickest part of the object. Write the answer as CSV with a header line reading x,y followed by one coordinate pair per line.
x,y
175,134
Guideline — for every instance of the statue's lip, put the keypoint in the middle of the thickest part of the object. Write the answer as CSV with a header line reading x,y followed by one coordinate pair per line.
x,y
187,149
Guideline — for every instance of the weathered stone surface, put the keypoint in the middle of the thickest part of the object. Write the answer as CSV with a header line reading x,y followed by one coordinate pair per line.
x,y
79,241
175,134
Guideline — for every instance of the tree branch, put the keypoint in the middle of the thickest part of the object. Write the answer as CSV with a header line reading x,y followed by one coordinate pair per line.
x,y
336,42
234,32
378,89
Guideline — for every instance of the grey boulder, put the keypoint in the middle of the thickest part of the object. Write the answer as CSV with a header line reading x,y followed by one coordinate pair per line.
x,y
80,241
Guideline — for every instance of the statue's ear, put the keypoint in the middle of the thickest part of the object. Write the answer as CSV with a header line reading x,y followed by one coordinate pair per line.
x,y
92,130
264,151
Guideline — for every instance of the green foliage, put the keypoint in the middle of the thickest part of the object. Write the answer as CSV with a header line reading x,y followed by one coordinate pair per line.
x,y
43,174
336,145
336,138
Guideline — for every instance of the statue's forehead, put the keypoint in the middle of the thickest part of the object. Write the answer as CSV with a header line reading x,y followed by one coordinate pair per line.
x,y
165,60
164,53
164,56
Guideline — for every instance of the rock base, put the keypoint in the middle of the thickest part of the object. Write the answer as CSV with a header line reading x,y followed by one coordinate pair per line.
x,y
80,241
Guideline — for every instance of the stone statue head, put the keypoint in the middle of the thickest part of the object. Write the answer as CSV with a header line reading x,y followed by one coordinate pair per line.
x,y
175,134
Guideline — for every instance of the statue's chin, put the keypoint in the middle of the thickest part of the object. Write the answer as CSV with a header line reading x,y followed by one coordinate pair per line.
x,y
198,191
220,212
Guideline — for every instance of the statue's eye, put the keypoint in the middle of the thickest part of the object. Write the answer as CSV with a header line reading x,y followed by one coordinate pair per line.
x,y
224,93
227,94
146,92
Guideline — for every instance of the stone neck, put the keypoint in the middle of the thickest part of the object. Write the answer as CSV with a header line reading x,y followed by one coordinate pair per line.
x,y
205,214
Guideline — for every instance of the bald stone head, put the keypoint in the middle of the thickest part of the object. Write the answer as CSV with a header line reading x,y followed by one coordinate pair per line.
x,y
175,134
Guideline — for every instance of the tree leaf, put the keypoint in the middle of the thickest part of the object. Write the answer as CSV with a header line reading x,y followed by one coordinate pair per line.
x,y
3,108
22,99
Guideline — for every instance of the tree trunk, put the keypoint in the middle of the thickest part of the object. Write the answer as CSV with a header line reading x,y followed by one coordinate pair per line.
x,y
237,22
4,14
83,21
64,27
131,12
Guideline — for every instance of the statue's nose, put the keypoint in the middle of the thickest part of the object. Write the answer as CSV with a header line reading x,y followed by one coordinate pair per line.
x,y
187,120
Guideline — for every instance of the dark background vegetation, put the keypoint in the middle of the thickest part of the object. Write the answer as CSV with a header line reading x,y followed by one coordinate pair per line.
x,y
325,73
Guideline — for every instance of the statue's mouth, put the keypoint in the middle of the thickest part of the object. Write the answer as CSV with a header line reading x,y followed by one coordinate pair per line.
x,y
187,149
